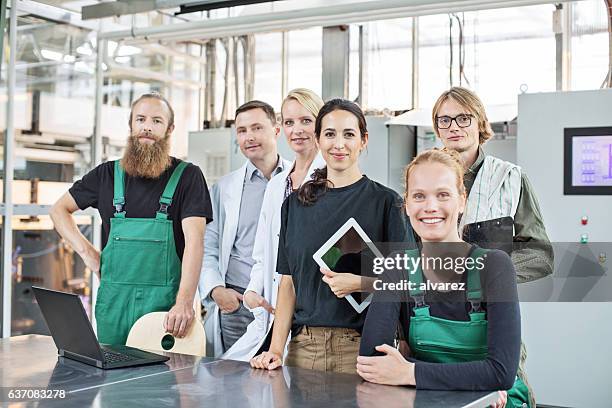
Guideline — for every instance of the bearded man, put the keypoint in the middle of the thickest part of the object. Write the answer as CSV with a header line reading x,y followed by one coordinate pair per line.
x,y
154,210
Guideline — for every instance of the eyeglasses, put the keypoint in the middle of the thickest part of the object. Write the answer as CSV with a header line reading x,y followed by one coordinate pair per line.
x,y
463,120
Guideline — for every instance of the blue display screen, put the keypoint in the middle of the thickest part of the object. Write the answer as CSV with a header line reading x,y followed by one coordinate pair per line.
x,y
592,161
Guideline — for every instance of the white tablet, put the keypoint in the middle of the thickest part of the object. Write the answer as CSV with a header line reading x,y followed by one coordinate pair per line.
x,y
349,240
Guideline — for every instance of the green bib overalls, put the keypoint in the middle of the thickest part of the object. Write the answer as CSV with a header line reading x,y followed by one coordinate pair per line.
x,y
140,269
438,340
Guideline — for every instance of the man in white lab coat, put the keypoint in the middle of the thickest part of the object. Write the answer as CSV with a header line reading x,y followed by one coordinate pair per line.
x,y
264,278
236,199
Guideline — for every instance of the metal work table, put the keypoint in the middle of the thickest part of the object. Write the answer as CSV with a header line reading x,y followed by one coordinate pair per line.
x,y
188,381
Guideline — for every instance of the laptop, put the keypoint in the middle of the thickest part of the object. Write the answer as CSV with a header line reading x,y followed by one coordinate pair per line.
x,y
75,338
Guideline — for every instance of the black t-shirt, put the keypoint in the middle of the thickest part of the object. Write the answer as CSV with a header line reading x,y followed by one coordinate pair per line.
x,y
191,198
498,281
304,229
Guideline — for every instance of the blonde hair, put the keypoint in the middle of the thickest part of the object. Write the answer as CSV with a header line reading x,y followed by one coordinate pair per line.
x,y
305,97
448,157
470,101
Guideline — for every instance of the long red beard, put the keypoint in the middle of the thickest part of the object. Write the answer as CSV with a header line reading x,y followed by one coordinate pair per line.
x,y
146,160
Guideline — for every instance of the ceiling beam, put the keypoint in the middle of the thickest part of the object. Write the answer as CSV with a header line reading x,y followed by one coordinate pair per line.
x,y
335,14
117,8
123,7
63,16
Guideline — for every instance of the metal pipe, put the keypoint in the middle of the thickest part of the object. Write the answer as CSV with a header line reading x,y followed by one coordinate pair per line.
x,y
235,72
201,92
363,67
608,81
51,63
227,44
9,146
558,30
96,142
568,13
211,80
415,62
249,67
96,158
337,14
284,64
2,27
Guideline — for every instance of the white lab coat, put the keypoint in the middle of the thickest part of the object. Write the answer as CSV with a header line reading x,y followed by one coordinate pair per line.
x,y
264,278
226,196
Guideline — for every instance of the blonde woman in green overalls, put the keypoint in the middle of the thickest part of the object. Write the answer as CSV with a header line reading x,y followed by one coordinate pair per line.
x,y
464,335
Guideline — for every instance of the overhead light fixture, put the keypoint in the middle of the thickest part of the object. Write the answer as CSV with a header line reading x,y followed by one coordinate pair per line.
x,y
126,50
122,60
52,55
69,58
84,50
83,67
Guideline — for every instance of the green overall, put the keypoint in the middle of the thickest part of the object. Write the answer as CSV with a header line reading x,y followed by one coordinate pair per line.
x,y
438,340
141,271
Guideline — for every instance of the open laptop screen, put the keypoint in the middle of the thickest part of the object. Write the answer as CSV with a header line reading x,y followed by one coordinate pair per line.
x,y
68,323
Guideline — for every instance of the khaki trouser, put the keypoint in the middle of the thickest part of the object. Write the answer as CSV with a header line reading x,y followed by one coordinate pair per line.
x,y
324,349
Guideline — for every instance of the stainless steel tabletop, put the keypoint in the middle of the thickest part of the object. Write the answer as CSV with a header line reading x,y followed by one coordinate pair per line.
x,y
188,381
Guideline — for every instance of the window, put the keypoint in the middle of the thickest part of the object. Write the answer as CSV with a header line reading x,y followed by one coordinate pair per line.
x,y
589,46
305,59
389,64
504,50
268,69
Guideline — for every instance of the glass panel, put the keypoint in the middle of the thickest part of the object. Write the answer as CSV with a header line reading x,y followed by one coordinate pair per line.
x,y
511,48
433,58
497,46
305,59
589,45
268,69
354,62
54,118
390,64
41,258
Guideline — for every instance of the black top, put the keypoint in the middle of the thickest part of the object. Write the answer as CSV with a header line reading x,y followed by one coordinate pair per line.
x,y
191,198
304,229
498,371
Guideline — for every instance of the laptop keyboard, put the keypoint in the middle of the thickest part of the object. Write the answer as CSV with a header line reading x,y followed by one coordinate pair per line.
x,y
112,357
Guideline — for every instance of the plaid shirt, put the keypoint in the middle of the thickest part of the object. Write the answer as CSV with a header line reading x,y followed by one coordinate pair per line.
x,y
288,187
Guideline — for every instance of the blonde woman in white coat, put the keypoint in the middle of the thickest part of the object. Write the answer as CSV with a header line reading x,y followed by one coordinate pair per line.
x,y
298,113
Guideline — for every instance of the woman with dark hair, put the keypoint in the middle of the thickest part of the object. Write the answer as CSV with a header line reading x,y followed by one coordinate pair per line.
x,y
325,329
